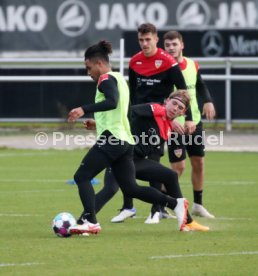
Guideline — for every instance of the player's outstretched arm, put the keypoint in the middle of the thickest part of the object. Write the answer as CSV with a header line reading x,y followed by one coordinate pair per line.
x,y
75,114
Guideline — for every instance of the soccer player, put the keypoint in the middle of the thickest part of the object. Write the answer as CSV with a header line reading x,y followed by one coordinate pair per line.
x,y
114,145
151,126
152,75
174,45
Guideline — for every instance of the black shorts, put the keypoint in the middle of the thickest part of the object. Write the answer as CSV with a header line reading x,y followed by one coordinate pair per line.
x,y
193,144
112,147
157,153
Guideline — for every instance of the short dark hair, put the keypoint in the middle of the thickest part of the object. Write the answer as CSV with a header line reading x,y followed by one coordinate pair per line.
x,y
100,50
147,28
181,95
173,35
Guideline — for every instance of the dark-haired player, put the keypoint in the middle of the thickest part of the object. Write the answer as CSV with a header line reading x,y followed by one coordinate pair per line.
x,y
152,75
174,45
114,145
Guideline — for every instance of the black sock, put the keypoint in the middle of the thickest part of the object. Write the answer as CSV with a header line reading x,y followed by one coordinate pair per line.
x,y
128,203
87,196
91,217
171,202
198,197
162,209
172,205
155,208
189,218
87,216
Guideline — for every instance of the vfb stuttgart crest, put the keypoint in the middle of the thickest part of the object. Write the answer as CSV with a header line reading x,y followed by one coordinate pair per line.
x,y
158,63
178,152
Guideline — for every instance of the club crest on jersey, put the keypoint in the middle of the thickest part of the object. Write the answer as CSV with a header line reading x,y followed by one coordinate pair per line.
x,y
178,152
158,63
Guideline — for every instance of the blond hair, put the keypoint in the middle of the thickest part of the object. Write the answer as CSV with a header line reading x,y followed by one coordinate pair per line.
x,y
181,95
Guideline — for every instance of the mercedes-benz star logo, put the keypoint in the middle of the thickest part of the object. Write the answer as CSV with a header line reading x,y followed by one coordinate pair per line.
x,y
212,44
73,18
193,13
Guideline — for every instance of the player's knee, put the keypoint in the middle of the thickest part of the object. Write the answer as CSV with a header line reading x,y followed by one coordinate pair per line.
x,y
77,178
173,175
168,175
180,171
113,189
80,177
197,163
178,168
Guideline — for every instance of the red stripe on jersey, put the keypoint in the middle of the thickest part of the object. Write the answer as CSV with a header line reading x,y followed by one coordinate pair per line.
x,y
148,66
183,65
196,65
102,78
164,124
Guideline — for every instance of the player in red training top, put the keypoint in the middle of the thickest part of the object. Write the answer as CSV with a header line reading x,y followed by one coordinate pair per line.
x,y
152,75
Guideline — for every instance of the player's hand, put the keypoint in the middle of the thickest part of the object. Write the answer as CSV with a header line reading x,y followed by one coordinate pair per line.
x,y
177,127
90,124
75,114
190,127
209,111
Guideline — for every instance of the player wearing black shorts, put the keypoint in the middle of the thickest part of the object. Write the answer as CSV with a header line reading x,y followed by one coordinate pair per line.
x,y
192,144
152,75
114,145
151,127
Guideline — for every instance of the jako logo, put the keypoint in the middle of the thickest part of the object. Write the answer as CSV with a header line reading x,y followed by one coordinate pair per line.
x,y
193,13
73,18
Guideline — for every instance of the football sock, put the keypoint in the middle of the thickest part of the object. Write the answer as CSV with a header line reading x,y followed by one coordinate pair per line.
x,y
90,217
155,208
128,203
189,218
198,197
172,203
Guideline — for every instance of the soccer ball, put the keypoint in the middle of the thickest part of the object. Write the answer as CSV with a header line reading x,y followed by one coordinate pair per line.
x,y
61,224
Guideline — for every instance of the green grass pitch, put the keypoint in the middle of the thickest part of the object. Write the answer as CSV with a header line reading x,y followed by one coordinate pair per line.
x,y
33,190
